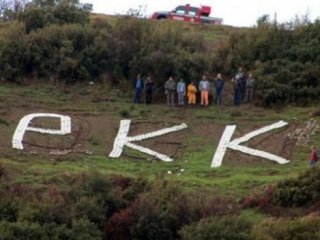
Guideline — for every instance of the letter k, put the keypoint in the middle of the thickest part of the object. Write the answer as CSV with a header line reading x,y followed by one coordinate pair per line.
x,y
122,140
235,144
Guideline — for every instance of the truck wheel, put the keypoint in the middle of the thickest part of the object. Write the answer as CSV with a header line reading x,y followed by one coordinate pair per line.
x,y
161,17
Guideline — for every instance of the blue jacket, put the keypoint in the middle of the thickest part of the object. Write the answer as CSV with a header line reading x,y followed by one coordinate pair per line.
x,y
135,84
219,83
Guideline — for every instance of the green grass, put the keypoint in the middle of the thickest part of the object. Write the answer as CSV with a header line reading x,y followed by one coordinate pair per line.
x,y
192,170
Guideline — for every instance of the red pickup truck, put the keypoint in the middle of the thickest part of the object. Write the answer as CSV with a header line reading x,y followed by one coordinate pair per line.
x,y
188,13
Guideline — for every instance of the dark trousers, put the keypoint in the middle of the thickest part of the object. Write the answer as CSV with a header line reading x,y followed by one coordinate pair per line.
x,y
249,94
170,98
148,96
218,96
237,97
137,96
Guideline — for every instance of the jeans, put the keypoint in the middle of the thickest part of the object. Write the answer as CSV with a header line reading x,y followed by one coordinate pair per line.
x,y
137,96
181,99
218,96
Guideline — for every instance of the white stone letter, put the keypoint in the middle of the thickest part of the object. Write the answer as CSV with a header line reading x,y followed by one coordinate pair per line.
x,y
23,126
122,140
235,144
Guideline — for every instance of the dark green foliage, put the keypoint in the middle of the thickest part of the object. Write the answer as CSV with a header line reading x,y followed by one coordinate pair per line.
x,y
284,61
288,229
162,211
53,41
226,228
79,229
39,14
19,231
14,53
93,206
298,192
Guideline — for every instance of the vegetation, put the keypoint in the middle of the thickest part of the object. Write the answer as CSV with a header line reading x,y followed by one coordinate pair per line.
x,y
55,40
76,196
283,57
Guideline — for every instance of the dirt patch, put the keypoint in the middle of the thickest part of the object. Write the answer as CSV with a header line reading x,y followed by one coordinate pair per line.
x,y
173,144
275,142
94,133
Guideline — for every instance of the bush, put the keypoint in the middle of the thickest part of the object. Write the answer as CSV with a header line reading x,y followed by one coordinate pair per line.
x,y
227,228
288,229
54,42
83,229
80,229
21,230
298,192
284,62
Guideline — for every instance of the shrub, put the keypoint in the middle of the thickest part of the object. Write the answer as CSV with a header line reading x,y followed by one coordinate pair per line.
x,y
90,208
83,229
3,172
21,230
8,208
298,192
288,229
284,62
227,228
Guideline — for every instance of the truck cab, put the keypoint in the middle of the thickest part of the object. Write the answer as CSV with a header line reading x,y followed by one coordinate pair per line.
x,y
188,13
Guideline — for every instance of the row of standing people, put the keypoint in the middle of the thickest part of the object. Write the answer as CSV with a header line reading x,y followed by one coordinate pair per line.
x,y
190,91
243,89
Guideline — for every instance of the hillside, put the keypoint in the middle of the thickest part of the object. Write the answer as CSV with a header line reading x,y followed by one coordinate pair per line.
x,y
96,116
54,166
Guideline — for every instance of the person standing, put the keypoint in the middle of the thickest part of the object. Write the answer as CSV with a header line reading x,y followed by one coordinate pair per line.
x,y
170,89
218,84
138,86
181,90
191,94
204,87
149,86
237,90
242,78
313,157
249,88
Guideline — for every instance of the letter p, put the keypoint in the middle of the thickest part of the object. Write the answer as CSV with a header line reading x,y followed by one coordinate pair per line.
x,y
23,126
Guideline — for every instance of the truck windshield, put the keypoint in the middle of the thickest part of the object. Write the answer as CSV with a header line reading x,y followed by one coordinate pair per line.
x,y
193,11
180,10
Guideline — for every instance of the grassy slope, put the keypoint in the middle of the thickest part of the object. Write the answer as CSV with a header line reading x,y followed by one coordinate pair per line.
x,y
235,179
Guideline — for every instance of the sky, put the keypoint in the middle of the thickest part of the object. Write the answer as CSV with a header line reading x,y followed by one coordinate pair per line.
x,y
233,12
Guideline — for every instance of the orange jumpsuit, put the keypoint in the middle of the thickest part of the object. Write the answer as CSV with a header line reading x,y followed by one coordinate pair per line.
x,y
191,93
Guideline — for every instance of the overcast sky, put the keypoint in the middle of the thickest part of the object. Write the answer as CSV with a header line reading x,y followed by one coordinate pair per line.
x,y
233,12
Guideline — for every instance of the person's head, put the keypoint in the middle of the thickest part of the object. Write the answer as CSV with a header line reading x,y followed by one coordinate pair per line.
x,y
204,77
312,147
219,76
192,83
181,79
250,75
149,79
170,78
240,69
